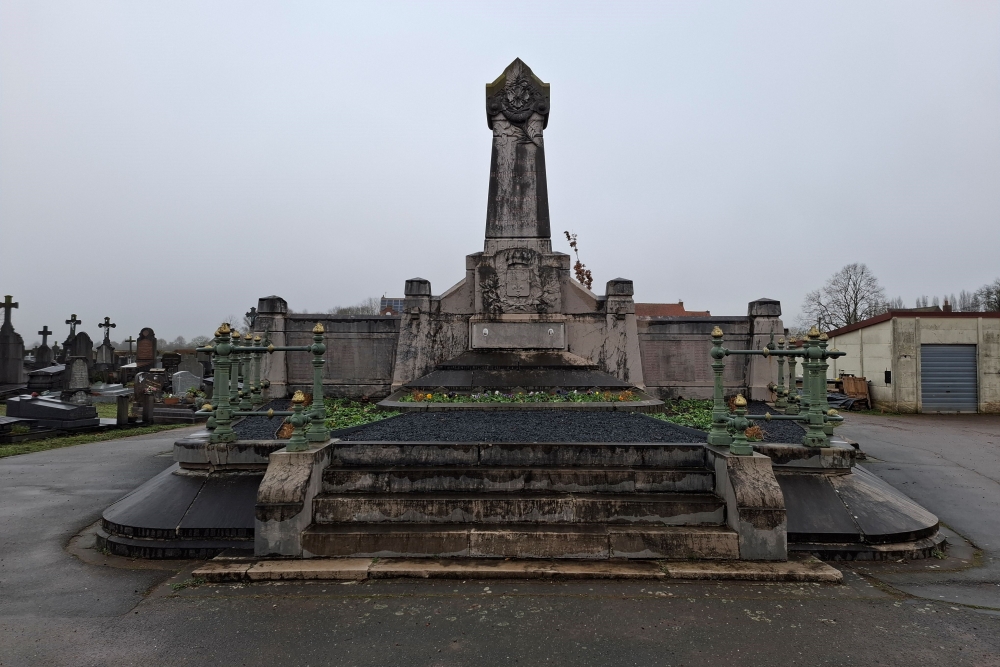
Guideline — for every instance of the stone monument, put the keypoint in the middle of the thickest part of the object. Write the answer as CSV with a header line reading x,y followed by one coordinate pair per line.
x,y
79,353
145,350
72,322
11,348
44,354
518,304
105,360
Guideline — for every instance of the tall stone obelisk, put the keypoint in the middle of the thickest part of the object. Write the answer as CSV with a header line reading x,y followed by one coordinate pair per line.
x,y
517,110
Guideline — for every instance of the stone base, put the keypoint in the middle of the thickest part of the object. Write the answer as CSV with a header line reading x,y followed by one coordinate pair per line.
x,y
178,514
799,568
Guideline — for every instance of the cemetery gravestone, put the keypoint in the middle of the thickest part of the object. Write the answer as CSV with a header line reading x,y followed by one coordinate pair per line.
x,y
182,381
145,349
190,363
106,351
44,354
170,362
72,322
11,348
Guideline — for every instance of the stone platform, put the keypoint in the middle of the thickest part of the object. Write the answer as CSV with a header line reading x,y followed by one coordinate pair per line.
x,y
610,499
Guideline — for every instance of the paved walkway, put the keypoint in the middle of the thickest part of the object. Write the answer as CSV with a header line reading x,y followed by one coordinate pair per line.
x,y
950,464
56,610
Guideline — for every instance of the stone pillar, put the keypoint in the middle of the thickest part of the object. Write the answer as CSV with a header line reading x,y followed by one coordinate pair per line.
x,y
272,314
415,348
765,322
621,346
517,110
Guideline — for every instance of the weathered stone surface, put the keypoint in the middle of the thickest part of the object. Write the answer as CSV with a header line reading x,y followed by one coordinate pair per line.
x,y
799,569
838,456
517,109
284,499
674,543
650,509
544,541
382,541
340,568
568,480
755,506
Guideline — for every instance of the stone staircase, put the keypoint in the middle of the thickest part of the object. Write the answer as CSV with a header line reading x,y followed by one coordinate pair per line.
x,y
567,500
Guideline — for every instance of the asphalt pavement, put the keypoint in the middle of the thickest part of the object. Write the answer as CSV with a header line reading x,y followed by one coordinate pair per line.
x,y
65,604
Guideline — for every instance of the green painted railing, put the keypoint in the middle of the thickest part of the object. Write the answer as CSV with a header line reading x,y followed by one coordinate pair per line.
x,y
811,409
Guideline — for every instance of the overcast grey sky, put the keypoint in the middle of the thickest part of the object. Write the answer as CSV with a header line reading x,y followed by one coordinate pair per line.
x,y
166,164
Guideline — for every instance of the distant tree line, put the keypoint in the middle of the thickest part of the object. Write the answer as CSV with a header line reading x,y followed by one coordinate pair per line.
x,y
854,294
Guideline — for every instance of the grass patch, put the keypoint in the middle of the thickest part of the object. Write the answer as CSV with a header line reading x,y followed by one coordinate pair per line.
x,y
521,397
81,439
344,413
189,583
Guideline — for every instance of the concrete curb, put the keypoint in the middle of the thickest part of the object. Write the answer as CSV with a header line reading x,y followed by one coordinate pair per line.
x,y
799,568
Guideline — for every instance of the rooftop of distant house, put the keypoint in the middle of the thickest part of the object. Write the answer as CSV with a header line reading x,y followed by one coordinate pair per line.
x,y
927,311
667,310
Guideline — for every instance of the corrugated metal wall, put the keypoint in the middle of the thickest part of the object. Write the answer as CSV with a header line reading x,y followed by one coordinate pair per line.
x,y
948,378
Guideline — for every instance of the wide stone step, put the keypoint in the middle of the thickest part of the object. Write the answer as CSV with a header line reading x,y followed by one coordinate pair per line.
x,y
521,541
674,509
578,479
644,455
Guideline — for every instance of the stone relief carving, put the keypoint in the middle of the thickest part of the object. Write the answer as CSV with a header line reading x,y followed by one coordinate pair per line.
x,y
516,280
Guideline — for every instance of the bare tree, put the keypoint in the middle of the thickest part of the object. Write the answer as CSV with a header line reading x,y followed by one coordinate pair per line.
x,y
895,304
851,295
989,296
370,306
968,302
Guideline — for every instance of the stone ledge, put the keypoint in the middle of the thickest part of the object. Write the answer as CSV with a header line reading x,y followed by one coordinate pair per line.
x,y
800,568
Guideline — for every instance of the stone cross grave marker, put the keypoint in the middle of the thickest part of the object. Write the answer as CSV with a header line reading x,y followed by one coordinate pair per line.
x,y
11,347
43,355
130,340
72,322
106,351
7,305
252,317
108,325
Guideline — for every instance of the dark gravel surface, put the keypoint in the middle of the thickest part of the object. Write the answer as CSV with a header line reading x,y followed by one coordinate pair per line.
x,y
262,428
776,431
525,426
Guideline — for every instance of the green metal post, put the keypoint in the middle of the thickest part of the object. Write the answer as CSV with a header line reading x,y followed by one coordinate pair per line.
x,y
718,433
234,374
258,356
740,445
793,392
246,357
223,404
317,428
298,420
822,367
815,435
781,402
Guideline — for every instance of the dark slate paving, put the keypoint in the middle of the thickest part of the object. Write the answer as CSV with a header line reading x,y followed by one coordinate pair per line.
x,y
262,428
525,426
776,431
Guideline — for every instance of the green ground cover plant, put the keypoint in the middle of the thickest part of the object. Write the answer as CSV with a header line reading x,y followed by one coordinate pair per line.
x,y
344,413
521,397
689,412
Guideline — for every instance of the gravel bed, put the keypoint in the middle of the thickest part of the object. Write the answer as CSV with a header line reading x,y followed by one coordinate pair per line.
x,y
777,431
525,426
262,428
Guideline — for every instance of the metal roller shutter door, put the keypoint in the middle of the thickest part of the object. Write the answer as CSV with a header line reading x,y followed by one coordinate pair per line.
x,y
948,378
